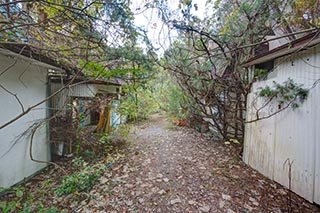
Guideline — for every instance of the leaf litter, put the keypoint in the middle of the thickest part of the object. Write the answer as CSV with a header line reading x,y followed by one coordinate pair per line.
x,y
182,170
172,170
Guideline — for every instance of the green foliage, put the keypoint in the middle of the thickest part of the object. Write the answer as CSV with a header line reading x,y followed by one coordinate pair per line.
x,y
170,97
8,206
175,101
106,143
94,69
123,62
19,192
137,69
206,58
289,92
138,104
72,32
104,139
80,180
22,205
260,73
304,14
89,154
78,148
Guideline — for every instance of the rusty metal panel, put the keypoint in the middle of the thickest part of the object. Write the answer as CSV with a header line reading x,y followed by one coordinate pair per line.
x,y
291,135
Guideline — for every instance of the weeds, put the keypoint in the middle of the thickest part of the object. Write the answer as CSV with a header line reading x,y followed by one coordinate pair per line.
x,y
22,205
80,180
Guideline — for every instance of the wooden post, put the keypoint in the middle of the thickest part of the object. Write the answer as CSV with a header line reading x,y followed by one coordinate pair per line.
x,y
104,120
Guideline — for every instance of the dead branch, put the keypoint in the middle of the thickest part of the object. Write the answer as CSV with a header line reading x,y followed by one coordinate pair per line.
x,y
26,111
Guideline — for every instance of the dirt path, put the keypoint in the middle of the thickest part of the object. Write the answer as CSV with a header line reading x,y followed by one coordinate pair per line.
x,y
181,170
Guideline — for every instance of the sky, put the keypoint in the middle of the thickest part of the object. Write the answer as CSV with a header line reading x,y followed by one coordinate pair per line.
x,y
157,32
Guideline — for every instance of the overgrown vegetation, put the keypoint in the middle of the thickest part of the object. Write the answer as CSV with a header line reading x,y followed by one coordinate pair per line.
x,y
93,157
23,203
99,40
207,84
206,60
171,98
138,103
83,177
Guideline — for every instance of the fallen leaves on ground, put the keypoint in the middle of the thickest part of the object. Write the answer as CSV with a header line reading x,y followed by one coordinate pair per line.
x,y
175,170
181,170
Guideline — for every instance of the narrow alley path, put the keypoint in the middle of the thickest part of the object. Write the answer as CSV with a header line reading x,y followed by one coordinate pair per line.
x,y
180,170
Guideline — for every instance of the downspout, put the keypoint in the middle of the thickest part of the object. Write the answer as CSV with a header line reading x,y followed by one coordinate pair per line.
x,y
49,115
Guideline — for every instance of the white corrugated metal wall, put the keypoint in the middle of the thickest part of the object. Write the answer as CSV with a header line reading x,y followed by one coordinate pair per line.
x,y
291,134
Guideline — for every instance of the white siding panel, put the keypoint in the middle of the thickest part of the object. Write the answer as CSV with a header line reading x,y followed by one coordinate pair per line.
x,y
317,148
315,108
291,135
259,138
295,131
29,83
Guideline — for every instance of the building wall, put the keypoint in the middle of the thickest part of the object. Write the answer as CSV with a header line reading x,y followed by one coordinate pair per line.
x,y
291,135
62,99
83,92
29,82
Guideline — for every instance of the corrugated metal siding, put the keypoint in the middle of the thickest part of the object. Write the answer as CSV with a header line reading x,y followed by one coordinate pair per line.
x,y
258,153
60,101
63,99
317,149
83,90
291,134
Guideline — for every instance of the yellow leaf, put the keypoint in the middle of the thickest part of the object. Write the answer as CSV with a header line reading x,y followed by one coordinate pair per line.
x,y
235,141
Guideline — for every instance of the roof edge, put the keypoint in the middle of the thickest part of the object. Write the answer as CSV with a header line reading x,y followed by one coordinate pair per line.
x,y
87,80
34,53
297,45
